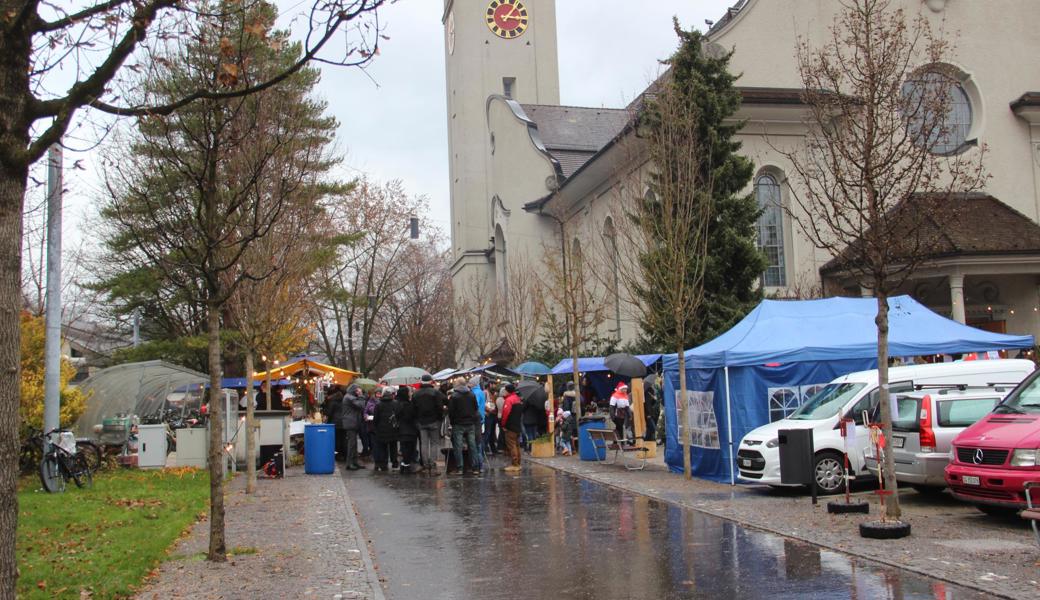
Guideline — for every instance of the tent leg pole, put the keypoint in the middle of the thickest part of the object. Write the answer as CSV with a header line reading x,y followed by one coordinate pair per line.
x,y
729,427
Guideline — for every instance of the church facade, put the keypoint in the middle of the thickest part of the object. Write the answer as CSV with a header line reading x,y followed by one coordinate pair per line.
x,y
529,174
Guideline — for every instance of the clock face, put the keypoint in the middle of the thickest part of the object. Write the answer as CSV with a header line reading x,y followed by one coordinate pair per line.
x,y
451,32
507,18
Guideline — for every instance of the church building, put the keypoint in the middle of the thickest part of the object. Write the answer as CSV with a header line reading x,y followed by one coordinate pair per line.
x,y
529,174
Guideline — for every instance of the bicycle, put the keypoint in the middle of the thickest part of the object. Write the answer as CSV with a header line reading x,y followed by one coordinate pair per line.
x,y
61,461
32,450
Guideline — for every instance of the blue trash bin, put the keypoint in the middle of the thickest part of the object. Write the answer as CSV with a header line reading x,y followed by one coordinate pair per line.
x,y
319,448
585,448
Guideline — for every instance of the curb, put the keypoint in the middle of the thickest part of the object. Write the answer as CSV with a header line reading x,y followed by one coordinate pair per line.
x,y
971,585
355,527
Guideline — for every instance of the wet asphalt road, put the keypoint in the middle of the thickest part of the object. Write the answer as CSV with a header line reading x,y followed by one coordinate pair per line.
x,y
546,534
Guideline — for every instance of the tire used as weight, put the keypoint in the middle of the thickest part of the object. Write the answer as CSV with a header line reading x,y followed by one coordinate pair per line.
x,y
840,507
884,530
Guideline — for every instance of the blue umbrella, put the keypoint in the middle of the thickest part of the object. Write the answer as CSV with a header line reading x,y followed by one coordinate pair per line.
x,y
534,369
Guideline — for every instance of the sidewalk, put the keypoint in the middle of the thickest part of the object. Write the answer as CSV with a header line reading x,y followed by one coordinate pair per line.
x,y
296,537
951,540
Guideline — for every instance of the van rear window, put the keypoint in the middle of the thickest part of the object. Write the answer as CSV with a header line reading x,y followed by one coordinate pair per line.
x,y
962,412
907,419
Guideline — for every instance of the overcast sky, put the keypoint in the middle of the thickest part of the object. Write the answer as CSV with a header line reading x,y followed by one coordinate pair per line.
x,y
393,123
392,116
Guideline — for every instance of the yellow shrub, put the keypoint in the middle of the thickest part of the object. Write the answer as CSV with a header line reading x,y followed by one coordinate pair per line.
x,y
30,411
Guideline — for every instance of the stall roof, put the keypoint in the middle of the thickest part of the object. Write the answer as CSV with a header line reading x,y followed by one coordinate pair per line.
x,y
492,369
341,376
596,365
787,331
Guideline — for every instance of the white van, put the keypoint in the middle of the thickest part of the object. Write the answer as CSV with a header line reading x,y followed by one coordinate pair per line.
x,y
758,457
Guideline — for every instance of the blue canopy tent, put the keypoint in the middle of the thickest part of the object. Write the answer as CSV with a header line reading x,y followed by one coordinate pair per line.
x,y
600,378
767,364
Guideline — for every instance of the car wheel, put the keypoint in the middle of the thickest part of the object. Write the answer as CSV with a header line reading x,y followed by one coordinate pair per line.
x,y
997,511
829,473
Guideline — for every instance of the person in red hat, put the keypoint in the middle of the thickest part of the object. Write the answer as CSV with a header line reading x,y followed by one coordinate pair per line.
x,y
620,408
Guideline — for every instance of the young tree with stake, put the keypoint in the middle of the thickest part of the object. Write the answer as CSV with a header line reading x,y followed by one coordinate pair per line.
x,y
870,177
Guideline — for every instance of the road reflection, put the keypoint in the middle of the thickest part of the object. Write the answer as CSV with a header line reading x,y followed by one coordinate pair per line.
x,y
546,534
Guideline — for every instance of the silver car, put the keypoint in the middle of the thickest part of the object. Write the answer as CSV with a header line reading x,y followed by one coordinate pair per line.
x,y
924,429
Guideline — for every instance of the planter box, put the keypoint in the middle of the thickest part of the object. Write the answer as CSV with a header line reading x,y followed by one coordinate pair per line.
x,y
542,450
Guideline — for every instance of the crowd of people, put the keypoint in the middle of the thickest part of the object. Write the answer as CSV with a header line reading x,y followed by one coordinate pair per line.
x,y
461,423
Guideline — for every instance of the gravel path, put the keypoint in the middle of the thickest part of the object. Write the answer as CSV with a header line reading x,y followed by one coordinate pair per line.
x,y
951,540
297,537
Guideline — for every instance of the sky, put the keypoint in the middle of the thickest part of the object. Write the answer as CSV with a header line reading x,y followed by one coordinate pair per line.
x,y
392,117
392,121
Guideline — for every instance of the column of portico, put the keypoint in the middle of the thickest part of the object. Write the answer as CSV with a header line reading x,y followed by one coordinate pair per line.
x,y
957,298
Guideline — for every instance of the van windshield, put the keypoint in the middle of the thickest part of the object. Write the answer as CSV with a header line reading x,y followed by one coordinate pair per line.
x,y
1025,399
827,402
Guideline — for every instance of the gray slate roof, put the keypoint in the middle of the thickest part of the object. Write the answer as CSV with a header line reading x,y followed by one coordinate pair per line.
x,y
574,134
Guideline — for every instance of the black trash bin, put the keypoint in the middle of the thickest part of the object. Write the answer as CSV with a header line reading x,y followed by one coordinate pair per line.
x,y
796,456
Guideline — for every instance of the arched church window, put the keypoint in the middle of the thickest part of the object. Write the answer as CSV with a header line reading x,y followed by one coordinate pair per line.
x,y
771,229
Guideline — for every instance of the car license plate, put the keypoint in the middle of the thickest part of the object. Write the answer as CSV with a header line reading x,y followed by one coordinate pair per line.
x,y
744,462
970,480
898,441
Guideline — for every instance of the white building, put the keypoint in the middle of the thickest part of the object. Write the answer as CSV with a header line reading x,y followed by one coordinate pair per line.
x,y
518,156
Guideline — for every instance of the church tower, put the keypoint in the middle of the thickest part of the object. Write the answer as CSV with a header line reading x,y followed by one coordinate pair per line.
x,y
492,47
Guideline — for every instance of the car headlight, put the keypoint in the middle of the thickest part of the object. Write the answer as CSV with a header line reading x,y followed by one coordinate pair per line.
x,y
1024,457
773,443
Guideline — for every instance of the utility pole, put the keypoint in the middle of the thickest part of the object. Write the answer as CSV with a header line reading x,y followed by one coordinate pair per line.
x,y
137,326
52,342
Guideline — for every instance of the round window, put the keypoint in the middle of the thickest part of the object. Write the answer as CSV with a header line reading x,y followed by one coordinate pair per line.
x,y
939,112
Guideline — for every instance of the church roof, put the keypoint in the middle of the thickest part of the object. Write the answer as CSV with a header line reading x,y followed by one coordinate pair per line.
x,y
574,134
953,222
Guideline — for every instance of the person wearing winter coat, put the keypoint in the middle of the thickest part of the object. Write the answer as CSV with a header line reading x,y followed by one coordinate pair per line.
x,y
490,423
534,419
386,429
620,408
512,425
350,421
569,396
333,410
462,412
481,399
407,429
429,404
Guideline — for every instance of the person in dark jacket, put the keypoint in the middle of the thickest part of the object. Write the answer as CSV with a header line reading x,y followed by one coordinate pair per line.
x,y
333,410
407,429
462,412
350,421
386,429
534,419
429,405
512,424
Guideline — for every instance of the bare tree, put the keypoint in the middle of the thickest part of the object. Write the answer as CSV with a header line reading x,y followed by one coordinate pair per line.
x,y
355,324
575,292
871,177
44,45
523,307
478,320
423,309
668,236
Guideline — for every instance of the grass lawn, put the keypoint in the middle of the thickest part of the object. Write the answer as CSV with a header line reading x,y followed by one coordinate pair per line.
x,y
102,542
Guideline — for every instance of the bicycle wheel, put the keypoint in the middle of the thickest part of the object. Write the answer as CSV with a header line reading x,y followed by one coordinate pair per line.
x,y
51,475
81,472
91,453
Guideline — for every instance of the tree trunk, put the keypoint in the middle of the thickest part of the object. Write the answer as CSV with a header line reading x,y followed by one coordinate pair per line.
x,y
217,549
15,50
12,192
892,501
250,427
684,419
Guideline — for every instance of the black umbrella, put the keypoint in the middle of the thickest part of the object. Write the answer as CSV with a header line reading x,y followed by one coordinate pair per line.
x,y
625,365
532,392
